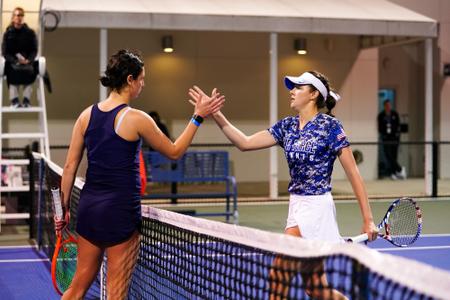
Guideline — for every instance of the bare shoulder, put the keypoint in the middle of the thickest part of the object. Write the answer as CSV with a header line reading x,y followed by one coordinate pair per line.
x,y
139,116
84,117
138,113
141,120
86,112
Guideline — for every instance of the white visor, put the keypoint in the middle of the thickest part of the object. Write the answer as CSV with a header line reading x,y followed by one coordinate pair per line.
x,y
308,78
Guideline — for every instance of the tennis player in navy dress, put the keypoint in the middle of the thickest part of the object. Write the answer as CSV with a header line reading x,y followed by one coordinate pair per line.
x,y
109,211
311,140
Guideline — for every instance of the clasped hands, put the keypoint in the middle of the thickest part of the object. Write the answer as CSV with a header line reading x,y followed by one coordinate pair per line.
x,y
199,100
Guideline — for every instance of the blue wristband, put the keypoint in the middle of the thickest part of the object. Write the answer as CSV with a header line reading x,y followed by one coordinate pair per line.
x,y
196,123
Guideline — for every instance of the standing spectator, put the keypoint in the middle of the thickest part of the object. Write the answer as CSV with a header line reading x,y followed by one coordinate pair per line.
x,y
389,130
19,49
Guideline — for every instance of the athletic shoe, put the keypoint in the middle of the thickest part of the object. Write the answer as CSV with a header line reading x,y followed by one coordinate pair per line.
x,y
401,174
26,102
15,103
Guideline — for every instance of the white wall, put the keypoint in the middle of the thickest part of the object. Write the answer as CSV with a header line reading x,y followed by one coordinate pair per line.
x,y
440,11
358,110
237,63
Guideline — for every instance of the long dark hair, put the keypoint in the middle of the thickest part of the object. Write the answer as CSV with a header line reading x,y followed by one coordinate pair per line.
x,y
321,102
121,64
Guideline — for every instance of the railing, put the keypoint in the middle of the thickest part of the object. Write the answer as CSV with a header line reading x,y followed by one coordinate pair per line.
x,y
195,167
251,169
410,154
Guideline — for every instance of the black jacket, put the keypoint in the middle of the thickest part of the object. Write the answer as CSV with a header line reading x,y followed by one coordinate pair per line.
x,y
21,41
389,125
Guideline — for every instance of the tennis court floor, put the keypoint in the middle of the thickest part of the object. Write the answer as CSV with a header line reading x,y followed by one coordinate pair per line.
x,y
26,271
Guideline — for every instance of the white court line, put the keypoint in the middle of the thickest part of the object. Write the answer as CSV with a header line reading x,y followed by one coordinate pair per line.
x,y
23,260
412,248
181,205
21,246
427,235
434,235
390,200
283,201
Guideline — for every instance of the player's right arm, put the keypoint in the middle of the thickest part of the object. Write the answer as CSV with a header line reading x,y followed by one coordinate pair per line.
x,y
351,170
260,140
148,129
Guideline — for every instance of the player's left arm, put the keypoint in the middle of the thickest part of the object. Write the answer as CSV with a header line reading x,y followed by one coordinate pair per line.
x,y
351,170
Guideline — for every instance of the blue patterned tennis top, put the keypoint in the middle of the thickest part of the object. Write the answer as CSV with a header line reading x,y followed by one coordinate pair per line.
x,y
310,152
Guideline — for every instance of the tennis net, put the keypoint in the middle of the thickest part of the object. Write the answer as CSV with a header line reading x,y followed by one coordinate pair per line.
x,y
183,257
45,175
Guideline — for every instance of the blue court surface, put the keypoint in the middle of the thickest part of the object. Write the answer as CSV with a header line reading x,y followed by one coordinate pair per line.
x,y
432,249
25,272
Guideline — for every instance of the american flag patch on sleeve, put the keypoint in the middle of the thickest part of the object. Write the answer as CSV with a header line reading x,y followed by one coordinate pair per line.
x,y
341,136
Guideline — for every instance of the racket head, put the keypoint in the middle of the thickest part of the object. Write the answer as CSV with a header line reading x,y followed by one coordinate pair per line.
x,y
402,223
64,261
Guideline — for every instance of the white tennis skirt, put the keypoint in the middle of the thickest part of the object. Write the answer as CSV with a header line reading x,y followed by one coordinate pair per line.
x,y
315,216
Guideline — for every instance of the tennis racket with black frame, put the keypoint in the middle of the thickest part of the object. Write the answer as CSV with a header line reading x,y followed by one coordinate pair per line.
x,y
401,226
64,261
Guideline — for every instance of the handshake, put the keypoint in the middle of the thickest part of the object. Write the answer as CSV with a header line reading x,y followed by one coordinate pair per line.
x,y
206,105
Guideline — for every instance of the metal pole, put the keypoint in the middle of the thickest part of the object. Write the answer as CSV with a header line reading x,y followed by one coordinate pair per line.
x,y
41,30
428,116
273,111
103,60
434,190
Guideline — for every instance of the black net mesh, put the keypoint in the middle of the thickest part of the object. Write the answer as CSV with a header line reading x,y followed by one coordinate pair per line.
x,y
181,257
45,175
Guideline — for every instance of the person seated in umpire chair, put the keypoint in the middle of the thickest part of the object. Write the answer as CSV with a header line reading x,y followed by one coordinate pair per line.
x,y
19,49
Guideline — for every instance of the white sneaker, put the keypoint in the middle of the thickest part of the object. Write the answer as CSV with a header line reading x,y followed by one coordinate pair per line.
x,y
402,173
26,102
394,177
15,103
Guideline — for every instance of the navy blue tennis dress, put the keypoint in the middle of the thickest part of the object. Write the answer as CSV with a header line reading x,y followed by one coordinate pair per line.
x,y
109,210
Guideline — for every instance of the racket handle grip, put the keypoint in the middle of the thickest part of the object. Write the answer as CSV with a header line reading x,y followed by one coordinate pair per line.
x,y
57,203
359,238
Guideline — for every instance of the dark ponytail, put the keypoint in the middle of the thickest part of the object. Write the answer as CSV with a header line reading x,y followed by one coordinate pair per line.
x,y
105,81
328,103
122,64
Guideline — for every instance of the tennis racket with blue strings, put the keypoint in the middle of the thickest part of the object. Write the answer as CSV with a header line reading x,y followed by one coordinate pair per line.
x,y
64,261
401,226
